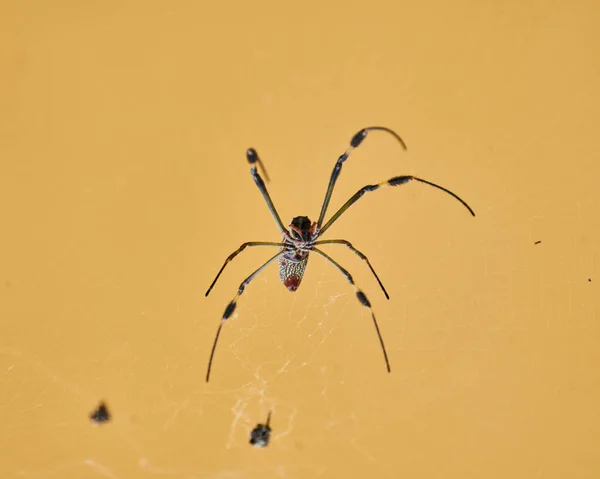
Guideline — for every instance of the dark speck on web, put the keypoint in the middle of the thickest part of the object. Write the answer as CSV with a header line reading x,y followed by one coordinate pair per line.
x,y
100,415
260,435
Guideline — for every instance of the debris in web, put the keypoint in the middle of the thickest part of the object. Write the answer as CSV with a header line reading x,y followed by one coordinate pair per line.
x,y
100,415
259,436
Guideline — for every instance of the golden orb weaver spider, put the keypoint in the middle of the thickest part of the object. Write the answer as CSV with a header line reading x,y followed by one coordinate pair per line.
x,y
302,236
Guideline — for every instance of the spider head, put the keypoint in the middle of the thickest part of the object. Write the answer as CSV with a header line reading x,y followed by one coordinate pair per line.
x,y
301,228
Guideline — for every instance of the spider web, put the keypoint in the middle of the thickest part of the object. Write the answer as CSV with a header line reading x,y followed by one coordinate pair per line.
x,y
308,324
309,321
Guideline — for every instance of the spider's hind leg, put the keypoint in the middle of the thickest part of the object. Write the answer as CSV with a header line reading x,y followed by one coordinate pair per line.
x,y
360,255
362,297
229,310
235,253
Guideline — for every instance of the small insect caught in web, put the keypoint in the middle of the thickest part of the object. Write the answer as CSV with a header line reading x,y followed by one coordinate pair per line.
x,y
261,434
100,415
303,236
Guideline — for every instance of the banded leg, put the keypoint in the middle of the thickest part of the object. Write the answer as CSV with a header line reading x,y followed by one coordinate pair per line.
x,y
398,180
235,253
354,143
360,255
231,308
362,298
253,158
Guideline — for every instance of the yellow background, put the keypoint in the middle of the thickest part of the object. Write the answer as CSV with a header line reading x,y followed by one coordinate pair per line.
x,y
124,185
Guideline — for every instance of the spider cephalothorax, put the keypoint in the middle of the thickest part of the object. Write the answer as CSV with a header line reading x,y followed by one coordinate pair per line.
x,y
302,236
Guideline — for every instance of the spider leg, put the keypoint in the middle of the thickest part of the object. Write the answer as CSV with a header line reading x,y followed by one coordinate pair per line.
x,y
231,308
361,297
253,158
397,180
360,255
238,251
357,139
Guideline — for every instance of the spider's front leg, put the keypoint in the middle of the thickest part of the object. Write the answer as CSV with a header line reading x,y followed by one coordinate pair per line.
x,y
356,140
396,181
253,158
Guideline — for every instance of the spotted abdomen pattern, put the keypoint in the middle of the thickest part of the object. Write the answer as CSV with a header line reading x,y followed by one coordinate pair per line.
x,y
291,271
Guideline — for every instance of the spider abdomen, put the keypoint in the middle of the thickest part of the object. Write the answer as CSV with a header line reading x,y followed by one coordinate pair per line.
x,y
291,269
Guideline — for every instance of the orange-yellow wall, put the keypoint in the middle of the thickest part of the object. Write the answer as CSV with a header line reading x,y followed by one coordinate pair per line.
x,y
124,186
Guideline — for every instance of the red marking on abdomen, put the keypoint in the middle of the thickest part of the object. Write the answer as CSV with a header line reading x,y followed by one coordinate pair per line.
x,y
291,272
292,282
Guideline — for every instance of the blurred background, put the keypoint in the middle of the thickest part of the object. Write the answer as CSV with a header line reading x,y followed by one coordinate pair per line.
x,y
124,186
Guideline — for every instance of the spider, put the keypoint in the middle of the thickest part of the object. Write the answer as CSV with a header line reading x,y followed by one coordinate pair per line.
x,y
302,236
261,434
